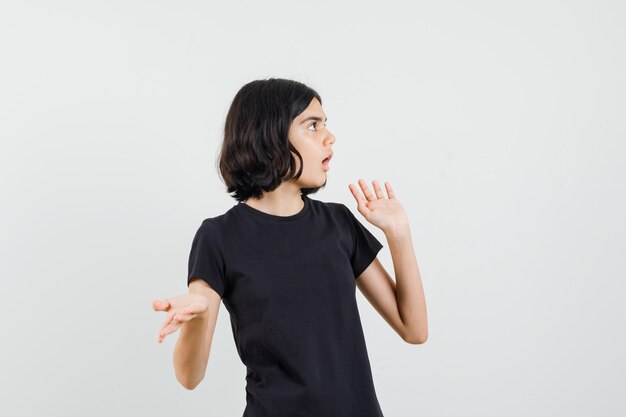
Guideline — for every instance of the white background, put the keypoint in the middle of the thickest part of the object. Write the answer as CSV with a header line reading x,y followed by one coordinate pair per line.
x,y
499,124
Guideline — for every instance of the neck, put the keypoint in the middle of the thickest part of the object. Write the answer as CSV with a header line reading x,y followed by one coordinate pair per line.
x,y
277,203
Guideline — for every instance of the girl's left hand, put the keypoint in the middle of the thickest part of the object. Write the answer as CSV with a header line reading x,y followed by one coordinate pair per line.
x,y
386,213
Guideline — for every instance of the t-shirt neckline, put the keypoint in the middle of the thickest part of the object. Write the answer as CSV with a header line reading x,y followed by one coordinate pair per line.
x,y
267,216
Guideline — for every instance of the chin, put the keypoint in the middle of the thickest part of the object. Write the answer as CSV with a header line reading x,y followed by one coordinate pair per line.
x,y
320,182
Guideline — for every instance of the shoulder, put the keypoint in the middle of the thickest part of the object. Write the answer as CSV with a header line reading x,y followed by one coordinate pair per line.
x,y
220,221
335,210
212,229
329,205
212,223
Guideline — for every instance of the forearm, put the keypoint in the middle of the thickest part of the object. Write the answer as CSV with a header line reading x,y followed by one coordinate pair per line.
x,y
191,352
409,290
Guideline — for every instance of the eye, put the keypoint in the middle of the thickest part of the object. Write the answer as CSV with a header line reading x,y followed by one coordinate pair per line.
x,y
313,124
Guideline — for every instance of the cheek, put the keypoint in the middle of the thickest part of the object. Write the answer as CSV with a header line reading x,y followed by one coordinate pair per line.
x,y
307,153
310,161
306,145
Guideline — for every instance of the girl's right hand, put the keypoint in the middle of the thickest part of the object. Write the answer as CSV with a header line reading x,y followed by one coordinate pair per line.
x,y
180,309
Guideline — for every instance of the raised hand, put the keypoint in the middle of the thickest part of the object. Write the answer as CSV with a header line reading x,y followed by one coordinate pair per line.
x,y
384,213
180,310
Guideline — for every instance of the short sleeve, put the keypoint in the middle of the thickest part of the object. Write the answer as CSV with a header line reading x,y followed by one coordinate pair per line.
x,y
206,258
365,247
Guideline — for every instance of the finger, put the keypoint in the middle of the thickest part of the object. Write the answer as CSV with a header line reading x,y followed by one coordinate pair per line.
x,y
158,305
176,317
170,326
168,330
185,317
377,190
366,191
162,335
179,319
168,320
357,195
390,192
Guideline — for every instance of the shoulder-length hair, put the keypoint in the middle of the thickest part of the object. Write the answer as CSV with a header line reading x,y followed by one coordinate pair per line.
x,y
256,154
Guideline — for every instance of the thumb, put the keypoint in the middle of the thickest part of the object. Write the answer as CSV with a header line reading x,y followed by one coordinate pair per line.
x,y
158,305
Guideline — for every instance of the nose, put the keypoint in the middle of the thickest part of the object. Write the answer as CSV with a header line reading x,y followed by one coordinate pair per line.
x,y
330,138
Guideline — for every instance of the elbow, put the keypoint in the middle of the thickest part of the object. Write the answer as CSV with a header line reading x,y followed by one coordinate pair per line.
x,y
416,338
188,383
189,374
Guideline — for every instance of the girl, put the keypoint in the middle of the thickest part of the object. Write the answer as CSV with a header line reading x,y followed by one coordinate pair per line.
x,y
286,266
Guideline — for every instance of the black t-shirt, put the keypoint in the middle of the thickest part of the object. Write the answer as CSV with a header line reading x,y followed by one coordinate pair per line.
x,y
289,285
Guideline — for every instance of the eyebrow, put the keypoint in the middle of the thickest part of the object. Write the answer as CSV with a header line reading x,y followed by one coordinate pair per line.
x,y
316,118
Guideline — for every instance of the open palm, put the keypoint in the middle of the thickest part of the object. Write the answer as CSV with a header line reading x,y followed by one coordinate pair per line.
x,y
180,309
383,212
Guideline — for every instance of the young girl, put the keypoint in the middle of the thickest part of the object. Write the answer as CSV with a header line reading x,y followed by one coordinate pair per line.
x,y
286,266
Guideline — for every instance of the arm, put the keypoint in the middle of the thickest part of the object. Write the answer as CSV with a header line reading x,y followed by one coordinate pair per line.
x,y
395,302
409,289
191,354
402,303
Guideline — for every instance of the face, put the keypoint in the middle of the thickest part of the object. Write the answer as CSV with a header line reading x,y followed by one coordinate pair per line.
x,y
309,135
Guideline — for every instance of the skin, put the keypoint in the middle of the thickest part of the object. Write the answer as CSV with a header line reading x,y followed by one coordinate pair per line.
x,y
400,302
314,142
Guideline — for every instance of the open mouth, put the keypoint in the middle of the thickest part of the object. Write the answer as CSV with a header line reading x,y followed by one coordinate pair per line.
x,y
326,161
